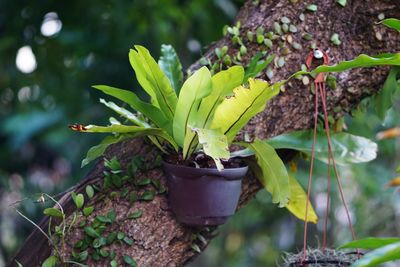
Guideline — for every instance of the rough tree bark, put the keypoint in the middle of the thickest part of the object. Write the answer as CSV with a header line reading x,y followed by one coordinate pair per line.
x,y
161,241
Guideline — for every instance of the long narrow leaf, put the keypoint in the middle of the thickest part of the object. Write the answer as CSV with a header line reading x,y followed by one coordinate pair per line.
x,y
370,242
153,80
362,61
134,131
383,254
222,84
124,113
391,23
347,148
234,112
271,172
131,117
170,64
148,110
193,90
98,150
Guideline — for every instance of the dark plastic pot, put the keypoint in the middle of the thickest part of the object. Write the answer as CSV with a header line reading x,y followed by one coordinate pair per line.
x,y
203,196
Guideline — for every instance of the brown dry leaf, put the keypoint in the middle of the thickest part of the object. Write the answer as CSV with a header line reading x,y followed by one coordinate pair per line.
x,y
390,133
393,183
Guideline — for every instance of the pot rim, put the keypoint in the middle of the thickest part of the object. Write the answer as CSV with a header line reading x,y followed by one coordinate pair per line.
x,y
230,173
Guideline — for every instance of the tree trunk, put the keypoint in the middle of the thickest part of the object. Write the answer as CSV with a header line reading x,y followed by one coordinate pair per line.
x,y
159,240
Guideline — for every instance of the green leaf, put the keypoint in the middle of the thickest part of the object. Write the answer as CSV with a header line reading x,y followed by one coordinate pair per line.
x,y
391,23
98,150
128,241
88,210
104,253
133,118
215,145
53,212
148,110
83,255
120,235
362,61
196,248
298,202
112,215
234,112
99,242
193,90
383,254
129,260
148,195
143,182
383,101
50,261
18,264
111,237
103,219
90,231
89,191
270,171
112,164
222,84
256,66
342,2
312,8
78,199
171,66
370,242
347,148
153,80
133,197
135,215
124,113
113,263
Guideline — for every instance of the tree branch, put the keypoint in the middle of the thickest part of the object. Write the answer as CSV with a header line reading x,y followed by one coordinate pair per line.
x,y
161,241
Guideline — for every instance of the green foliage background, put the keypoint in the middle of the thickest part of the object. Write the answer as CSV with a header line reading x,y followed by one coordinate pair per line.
x,y
38,153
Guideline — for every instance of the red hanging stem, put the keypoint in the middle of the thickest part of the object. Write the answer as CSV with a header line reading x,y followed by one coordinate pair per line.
x,y
320,90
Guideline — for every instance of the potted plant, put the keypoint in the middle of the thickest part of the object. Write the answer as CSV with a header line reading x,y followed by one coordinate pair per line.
x,y
194,131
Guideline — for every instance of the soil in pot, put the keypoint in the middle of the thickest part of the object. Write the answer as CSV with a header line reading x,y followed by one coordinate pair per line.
x,y
321,258
203,196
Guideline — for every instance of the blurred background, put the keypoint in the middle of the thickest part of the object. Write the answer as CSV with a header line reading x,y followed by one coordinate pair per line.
x,y
51,52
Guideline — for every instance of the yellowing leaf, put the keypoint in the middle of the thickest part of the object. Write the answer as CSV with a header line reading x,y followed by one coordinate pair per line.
x,y
214,145
298,202
234,112
193,90
223,84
